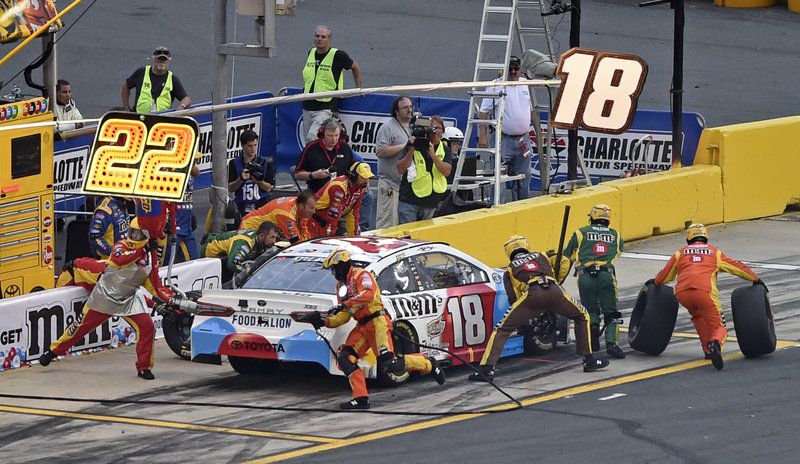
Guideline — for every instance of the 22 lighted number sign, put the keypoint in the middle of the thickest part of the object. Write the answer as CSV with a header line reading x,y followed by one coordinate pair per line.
x,y
599,90
144,156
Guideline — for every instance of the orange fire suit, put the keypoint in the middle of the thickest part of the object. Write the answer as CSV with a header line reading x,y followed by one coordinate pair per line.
x,y
696,266
374,329
340,199
283,213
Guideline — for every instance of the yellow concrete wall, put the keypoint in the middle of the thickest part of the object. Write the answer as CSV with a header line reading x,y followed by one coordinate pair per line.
x,y
668,201
760,164
482,233
642,206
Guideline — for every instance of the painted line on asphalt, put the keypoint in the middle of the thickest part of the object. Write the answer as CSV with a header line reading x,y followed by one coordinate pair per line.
x,y
658,257
163,424
589,387
612,397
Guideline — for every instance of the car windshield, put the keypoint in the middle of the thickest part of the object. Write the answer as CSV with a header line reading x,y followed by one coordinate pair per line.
x,y
294,273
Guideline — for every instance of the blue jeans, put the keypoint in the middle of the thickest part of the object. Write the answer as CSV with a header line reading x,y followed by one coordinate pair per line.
x,y
406,212
512,156
365,213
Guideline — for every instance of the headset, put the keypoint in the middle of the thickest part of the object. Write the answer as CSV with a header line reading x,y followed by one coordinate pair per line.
x,y
352,173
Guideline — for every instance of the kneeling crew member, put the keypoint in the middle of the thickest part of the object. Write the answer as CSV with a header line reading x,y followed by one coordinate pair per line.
x,y
373,332
133,263
594,249
696,266
532,289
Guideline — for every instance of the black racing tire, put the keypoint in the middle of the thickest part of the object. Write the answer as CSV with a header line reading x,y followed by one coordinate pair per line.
x,y
653,319
402,333
177,330
253,366
753,321
541,337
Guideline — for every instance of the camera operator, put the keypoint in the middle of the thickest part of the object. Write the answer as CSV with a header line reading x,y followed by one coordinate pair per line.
x,y
324,158
250,178
425,167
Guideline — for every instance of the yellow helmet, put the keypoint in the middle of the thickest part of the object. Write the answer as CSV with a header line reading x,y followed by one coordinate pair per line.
x,y
514,243
337,256
339,262
136,237
696,230
600,211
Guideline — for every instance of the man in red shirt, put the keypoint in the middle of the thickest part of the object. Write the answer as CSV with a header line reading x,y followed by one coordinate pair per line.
x,y
696,266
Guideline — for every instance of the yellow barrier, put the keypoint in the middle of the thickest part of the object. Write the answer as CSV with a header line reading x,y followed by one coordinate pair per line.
x,y
745,3
482,233
668,201
760,166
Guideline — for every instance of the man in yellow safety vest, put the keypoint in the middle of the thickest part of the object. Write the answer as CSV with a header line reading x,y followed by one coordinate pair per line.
x,y
323,72
156,86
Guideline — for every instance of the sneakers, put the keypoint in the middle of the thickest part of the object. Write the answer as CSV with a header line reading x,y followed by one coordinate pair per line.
x,y
437,372
46,357
486,374
591,364
362,402
146,374
715,353
615,351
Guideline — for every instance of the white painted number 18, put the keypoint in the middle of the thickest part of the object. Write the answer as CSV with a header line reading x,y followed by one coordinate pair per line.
x,y
598,90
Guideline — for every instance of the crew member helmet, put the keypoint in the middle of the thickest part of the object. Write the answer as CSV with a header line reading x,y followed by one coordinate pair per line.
x,y
136,237
452,133
696,231
338,261
600,211
516,243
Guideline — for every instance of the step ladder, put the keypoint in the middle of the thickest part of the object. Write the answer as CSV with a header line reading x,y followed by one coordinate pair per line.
x,y
501,23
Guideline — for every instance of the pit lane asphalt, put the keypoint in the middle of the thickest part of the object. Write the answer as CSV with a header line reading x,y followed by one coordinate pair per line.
x,y
672,403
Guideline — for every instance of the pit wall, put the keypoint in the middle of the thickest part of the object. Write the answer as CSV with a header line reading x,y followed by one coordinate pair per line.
x,y
741,172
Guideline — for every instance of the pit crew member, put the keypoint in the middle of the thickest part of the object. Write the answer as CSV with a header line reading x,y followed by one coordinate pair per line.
x,y
696,265
532,288
133,263
237,247
290,214
109,225
373,332
594,248
339,201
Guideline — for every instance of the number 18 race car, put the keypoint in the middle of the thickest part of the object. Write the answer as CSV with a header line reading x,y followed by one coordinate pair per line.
x,y
435,295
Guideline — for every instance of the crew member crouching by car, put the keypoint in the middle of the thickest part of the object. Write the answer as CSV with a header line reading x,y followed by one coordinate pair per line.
x,y
373,332
239,246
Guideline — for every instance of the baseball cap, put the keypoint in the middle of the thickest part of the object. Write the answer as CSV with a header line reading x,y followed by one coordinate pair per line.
x,y
514,62
362,169
162,51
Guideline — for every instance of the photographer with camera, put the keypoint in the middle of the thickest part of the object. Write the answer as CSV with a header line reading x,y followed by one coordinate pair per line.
x,y
390,146
425,167
325,158
250,177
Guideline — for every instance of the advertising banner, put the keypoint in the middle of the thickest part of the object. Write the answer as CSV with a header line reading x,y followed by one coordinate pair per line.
x,y
30,323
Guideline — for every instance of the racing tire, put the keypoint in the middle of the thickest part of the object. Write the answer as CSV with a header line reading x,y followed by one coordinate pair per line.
x,y
753,321
653,319
253,366
178,332
541,337
402,333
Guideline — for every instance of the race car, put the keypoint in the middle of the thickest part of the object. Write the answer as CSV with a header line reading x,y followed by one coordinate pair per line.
x,y
435,295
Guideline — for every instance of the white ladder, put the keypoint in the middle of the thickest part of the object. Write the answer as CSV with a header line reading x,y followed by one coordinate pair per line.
x,y
512,23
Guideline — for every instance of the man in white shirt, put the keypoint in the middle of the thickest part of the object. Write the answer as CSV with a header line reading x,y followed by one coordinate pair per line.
x,y
515,142
65,109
